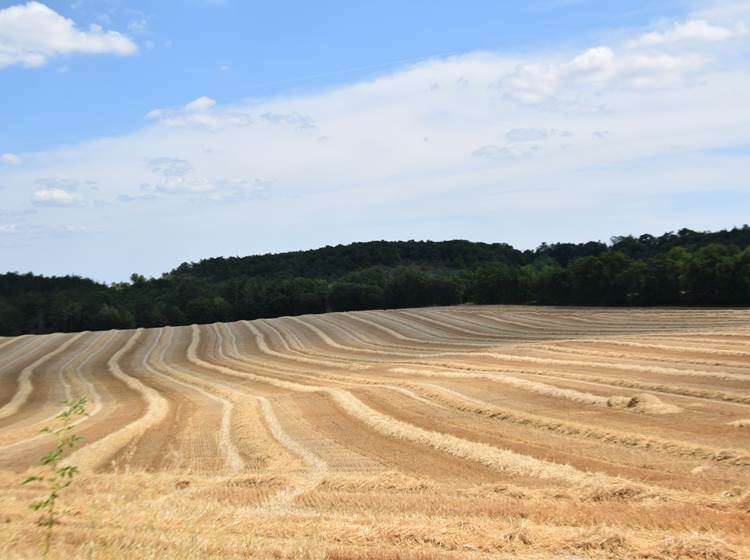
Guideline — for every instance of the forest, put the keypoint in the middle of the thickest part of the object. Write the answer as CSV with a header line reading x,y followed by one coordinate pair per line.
x,y
686,268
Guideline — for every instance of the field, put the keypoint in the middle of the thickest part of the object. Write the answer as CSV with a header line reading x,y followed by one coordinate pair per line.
x,y
464,432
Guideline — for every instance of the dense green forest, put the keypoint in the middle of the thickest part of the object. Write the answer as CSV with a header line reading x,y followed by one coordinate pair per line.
x,y
683,268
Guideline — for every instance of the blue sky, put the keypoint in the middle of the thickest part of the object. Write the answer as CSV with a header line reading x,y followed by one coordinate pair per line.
x,y
173,131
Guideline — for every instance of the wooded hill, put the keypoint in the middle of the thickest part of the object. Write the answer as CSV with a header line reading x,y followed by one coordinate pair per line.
x,y
683,268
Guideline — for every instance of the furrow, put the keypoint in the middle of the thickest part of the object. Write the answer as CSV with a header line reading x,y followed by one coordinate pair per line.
x,y
462,402
500,460
317,467
96,454
24,383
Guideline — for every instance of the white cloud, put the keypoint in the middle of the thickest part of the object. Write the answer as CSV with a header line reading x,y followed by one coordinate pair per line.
x,y
184,185
659,70
170,167
574,83
201,104
11,159
673,57
596,60
526,134
200,114
492,152
239,191
55,197
72,228
689,31
7,229
531,83
176,177
128,198
31,34
58,183
301,122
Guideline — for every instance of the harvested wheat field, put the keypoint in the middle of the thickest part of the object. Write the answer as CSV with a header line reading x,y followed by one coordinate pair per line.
x,y
464,432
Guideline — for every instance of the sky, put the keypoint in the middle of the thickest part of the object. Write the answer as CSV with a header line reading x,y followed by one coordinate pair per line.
x,y
138,135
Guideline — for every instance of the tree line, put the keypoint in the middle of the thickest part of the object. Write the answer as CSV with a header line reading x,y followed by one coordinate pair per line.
x,y
686,268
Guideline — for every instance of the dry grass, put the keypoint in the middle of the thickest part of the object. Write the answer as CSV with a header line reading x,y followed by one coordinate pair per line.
x,y
468,432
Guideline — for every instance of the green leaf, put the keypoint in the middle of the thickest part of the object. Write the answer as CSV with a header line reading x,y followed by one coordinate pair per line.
x,y
51,457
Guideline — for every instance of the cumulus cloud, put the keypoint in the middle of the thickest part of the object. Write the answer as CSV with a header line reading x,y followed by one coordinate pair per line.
x,y
689,31
11,159
31,34
55,197
672,57
199,114
538,82
596,70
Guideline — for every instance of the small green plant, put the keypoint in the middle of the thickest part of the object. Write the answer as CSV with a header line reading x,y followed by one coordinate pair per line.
x,y
57,477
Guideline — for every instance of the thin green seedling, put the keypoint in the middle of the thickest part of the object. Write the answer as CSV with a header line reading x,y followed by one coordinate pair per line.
x,y
57,476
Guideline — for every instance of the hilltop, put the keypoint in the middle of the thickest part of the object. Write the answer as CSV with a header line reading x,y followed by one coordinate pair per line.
x,y
683,268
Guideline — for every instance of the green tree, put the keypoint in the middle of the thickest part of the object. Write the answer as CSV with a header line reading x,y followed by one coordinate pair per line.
x,y
351,296
709,274
207,309
741,291
297,296
10,319
407,288
113,317
496,283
